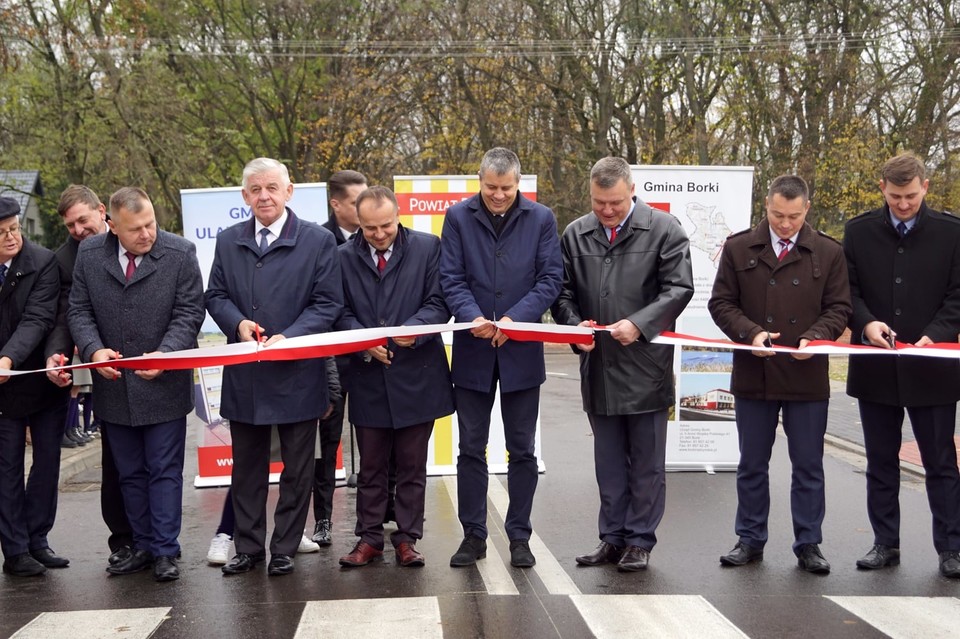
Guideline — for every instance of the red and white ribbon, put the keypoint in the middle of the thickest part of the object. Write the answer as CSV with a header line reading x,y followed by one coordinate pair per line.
x,y
322,345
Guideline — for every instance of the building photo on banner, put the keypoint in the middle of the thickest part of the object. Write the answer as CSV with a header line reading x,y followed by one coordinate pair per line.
x,y
206,212
423,201
711,202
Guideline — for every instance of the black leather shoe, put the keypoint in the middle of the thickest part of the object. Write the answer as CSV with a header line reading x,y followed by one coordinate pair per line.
x,y
49,558
604,554
811,560
137,561
120,554
165,569
879,556
741,555
950,564
280,565
634,558
520,555
241,563
471,549
23,566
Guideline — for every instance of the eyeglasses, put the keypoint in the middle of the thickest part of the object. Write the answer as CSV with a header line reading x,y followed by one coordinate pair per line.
x,y
13,231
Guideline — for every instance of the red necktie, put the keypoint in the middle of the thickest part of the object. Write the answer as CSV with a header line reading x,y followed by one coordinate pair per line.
x,y
784,249
381,261
131,265
613,234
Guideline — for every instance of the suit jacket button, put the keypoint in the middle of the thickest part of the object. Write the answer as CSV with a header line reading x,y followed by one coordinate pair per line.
x,y
773,282
769,319
796,282
259,264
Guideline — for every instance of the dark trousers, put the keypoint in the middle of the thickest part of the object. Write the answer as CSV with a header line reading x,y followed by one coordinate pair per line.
x,y
112,510
325,472
250,483
27,513
933,426
804,423
519,413
409,445
150,462
629,454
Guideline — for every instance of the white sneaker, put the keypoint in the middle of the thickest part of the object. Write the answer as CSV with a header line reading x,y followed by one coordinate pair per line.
x,y
308,545
219,551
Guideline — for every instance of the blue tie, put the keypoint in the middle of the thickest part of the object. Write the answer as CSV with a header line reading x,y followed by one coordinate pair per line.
x,y
3,273
901,228
263,240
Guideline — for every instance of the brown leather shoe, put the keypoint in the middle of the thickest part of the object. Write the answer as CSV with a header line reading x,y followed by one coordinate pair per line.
x,y
634,558
604,554
408,555
361,555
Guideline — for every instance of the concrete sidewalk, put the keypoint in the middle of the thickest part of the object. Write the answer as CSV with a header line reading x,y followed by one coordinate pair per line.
x,y
72,460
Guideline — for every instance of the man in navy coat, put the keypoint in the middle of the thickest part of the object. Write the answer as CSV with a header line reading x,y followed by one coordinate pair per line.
x,y
138,290
391,277
904,262
29,288
279,276
500,261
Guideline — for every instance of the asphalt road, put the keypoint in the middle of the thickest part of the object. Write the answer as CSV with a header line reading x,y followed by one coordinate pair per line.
x,y
685,592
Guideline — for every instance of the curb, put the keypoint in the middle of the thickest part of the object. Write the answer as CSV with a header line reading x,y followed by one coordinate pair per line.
x,y
85,459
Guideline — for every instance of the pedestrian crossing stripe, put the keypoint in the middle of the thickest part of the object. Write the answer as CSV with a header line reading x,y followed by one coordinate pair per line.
x,y
906,617
673,616
132,623
414,617
606,616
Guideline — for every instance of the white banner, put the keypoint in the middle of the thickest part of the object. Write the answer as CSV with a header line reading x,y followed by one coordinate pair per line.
x,y
711,202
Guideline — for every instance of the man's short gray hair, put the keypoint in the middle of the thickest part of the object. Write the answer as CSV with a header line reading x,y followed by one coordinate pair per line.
x,y
129,198
264,165
501,161
608,171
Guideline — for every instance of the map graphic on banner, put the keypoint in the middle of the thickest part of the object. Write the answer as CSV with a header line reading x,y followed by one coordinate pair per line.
x,y
206,212
423,200
711,202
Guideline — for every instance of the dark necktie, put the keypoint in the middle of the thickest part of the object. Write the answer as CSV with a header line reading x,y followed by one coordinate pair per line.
x,y
3,273
613,234
263,240
131,265
381,261
784,249
901,228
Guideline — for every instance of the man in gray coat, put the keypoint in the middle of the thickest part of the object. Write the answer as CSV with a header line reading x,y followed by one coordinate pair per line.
x,y
627,266
138,290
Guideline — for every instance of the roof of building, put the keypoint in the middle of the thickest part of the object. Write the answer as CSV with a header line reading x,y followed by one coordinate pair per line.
x,y
20,185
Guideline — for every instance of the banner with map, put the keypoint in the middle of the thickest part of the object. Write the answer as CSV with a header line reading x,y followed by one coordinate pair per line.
x,y
711,202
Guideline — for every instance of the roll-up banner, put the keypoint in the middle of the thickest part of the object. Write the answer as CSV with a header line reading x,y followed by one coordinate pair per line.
x,y
206,212
423,200
711,202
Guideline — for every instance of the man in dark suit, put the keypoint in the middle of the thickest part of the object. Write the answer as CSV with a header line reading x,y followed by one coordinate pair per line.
x,y
782,283
904,262
626,265
85,216
29,290
277,276
138,290
343,187
391,276
500,261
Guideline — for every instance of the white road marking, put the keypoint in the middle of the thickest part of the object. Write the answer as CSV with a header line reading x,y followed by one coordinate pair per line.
x,y
396,618
128,623
906,617
554,577
493,570
649,616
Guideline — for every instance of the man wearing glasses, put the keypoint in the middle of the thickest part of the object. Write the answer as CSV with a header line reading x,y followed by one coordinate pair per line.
x,y
29,290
